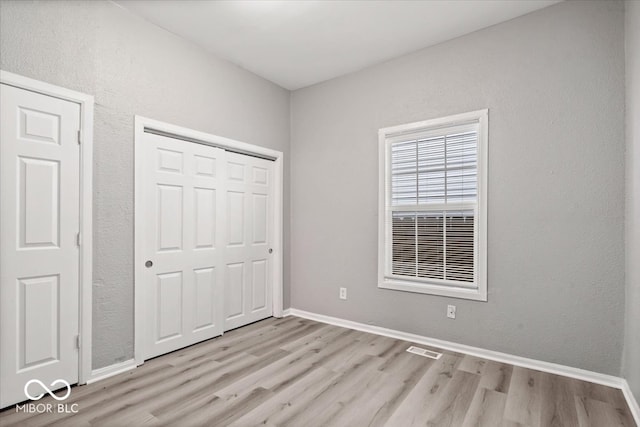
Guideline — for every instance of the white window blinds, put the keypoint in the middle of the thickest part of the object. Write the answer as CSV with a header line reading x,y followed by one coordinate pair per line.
x,y
440,169
433,204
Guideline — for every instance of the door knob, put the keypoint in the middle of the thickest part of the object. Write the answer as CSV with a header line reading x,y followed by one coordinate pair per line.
x,y
148,264
270,250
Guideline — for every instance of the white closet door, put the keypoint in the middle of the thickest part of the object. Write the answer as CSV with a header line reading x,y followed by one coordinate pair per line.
x,y
39,256
248,267
182,203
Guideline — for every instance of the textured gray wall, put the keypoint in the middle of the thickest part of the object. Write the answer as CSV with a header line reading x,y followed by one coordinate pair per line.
x,y
631,366
554,83
133,67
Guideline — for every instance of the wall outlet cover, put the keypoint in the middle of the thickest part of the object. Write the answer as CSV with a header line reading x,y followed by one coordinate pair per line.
x,y
451,311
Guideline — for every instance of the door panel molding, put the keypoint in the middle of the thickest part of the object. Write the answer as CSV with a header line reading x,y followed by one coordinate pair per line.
x,y
45,129
250,230
144,126
181,243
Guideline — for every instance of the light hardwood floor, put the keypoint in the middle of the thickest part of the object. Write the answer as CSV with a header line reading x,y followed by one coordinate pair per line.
x,y
299,372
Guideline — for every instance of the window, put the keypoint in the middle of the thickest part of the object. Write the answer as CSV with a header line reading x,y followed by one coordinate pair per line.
x,y
433,206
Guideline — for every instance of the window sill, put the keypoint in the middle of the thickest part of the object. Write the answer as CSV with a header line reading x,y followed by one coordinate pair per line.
x,y
475,294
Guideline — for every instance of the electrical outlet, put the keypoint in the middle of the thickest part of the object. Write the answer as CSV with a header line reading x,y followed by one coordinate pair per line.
x,y
451,311
343,293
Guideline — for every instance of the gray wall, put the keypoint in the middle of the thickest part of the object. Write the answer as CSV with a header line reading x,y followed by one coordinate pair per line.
x,y
631,365
133,67
554,83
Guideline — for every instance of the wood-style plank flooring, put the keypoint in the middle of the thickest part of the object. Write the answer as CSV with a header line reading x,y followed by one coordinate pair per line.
x,y
297,372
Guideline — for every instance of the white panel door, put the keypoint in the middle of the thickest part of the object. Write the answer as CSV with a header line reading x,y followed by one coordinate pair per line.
x,y
248,268
182,268
39,256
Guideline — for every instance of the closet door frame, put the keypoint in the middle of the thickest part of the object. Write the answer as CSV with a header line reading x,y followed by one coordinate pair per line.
x,y
145,125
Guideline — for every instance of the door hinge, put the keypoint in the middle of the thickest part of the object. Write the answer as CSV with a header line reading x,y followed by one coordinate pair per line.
x,y
78,342
78,239
79,136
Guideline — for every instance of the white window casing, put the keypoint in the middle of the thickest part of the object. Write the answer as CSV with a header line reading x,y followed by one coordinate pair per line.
x,y
432,235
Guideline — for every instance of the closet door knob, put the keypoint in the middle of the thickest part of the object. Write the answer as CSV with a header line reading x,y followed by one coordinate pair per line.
x,y
148,264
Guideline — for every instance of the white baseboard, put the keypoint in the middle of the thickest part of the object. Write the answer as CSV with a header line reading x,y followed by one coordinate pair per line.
x,y
553,368
539,365
631,401
111,370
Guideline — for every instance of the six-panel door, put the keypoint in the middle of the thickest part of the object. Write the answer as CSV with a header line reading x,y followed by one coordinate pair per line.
x,y
182,240
39,256
206,237
248,266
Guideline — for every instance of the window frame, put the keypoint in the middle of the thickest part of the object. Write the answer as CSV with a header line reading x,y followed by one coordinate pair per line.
x,y
386,280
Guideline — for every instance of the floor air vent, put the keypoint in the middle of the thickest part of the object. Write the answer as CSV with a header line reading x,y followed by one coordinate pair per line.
x,y
422,352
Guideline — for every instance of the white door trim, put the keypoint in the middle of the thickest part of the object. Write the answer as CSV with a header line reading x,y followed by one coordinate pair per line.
x,y
143,124
86,103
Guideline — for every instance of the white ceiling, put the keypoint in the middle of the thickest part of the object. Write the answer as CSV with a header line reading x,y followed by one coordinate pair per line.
x,y
300,43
